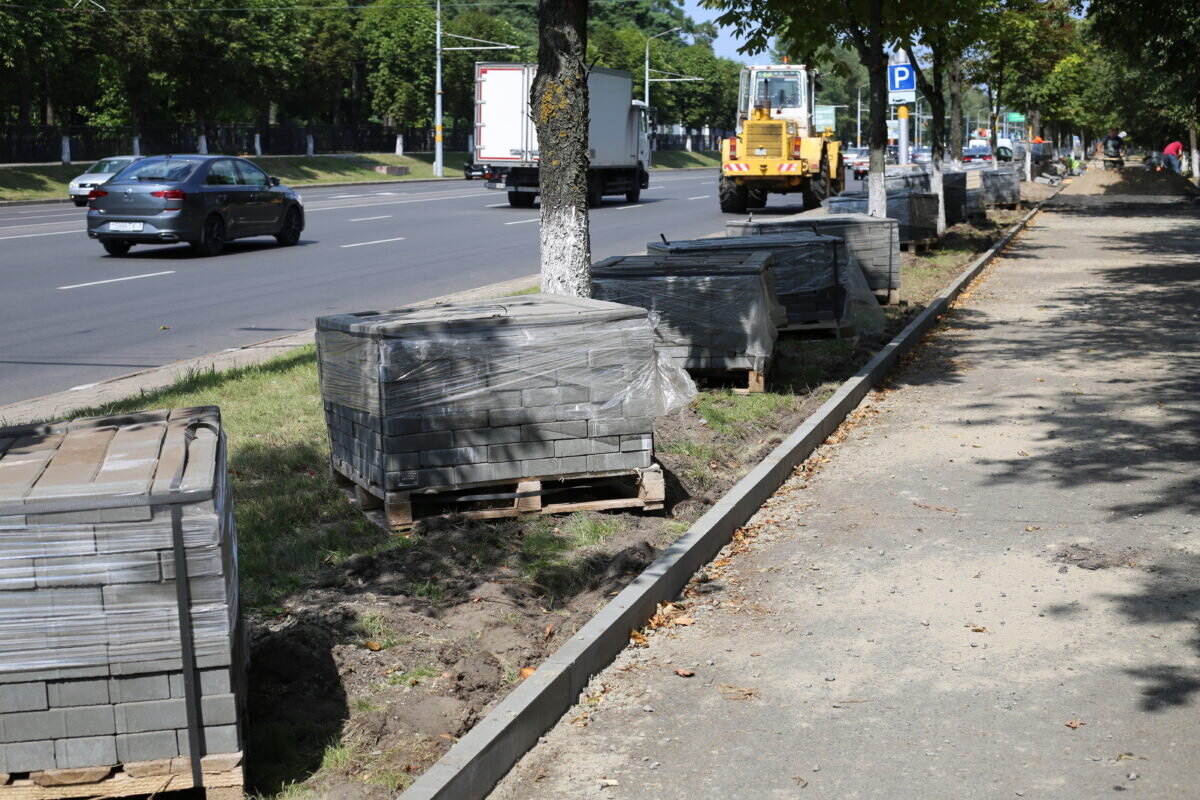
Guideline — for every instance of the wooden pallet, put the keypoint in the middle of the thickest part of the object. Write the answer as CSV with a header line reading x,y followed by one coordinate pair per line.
x,y
222,780
887,297
602,491
919,245
1021,206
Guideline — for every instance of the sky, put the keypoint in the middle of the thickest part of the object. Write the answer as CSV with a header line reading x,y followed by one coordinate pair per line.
x,y
725,45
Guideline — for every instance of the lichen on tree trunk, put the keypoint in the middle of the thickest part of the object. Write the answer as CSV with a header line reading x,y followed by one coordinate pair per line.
x,y
558,102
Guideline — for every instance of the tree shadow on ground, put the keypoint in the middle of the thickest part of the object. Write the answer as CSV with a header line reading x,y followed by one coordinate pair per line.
x,y
1140,427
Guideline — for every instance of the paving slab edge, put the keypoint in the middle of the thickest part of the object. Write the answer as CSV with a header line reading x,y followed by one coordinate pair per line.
x,y
477,762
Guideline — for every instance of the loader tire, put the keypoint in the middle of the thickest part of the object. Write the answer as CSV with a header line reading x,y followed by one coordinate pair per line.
x,y
756,198
732,197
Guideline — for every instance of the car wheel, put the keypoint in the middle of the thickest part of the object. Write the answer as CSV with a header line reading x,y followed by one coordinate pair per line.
x,y
79,203
116,247
521,199
293,225
212,237
633,195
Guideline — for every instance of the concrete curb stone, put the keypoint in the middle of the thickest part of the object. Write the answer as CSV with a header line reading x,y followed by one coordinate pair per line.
x,y
473,765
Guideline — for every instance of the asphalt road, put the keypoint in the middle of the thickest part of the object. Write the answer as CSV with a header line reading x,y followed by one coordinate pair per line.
x,y
71,316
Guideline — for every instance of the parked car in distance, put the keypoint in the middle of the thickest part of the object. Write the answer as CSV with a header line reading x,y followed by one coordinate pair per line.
x,y
95,175
921,155
851,153
205,201
472,171
861,164
977,154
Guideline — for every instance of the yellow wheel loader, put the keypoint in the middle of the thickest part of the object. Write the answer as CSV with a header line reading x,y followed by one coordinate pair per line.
x,y
776,148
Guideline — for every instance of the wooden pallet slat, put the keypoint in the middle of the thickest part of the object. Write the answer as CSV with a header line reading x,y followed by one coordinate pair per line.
x,y
223,780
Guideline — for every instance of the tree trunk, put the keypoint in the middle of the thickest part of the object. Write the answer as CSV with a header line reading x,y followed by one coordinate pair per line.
x,y
558,102
1195,159
876,65
937,113
956,110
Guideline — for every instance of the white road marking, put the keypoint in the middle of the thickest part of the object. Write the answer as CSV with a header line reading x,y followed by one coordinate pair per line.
x,y
31,235
635,205
345,196
497,205
701,197
523,221
118,280
76,215
39,224
377,241
81,387
310,210
368,219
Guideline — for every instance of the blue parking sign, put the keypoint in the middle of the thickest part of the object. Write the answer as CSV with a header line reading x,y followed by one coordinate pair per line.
x,y
901,78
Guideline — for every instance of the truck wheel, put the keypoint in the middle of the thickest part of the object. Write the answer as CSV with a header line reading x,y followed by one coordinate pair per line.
x,y
521,199
633,195
595,193
756,198
732,197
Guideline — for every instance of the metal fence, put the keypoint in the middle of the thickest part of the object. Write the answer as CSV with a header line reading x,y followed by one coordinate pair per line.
x,y
678,141
41,144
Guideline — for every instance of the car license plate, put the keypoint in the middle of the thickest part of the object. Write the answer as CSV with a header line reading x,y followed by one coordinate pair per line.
x,y
125,227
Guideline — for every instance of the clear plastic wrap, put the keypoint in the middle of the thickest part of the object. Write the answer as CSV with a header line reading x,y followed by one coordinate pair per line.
x,y
716,310
910,178
1001,186
916,211
813,276
87,566
101,660
455,394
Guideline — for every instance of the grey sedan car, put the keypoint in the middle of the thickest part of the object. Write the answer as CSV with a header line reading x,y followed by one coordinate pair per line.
x,y
205,201
95,175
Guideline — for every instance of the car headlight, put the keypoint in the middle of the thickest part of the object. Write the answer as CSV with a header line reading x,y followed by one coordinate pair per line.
x,y
74,184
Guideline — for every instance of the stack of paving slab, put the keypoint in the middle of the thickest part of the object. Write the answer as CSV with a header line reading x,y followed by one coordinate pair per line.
x,y
456,394
1001,187
915,211
907,179
873,243
92,658
805,269
715,310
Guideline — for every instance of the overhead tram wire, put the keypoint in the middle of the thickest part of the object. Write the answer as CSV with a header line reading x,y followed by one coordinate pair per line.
x,y
222,10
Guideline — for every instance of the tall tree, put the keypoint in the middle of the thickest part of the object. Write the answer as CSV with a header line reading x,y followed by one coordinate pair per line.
x,y
558,101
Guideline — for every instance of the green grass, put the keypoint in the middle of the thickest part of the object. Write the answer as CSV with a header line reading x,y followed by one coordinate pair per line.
x,y
549,551
291,519
374,627
678,159
413,677
527,290
49,181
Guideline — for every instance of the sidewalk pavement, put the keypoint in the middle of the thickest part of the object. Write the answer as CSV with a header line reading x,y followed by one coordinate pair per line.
x,y
985,585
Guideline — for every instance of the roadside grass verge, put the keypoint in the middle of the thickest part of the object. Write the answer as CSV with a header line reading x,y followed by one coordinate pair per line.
x,y
679,159
49,181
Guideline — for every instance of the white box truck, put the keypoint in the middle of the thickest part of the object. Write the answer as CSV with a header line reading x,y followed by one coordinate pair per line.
x,y
506,143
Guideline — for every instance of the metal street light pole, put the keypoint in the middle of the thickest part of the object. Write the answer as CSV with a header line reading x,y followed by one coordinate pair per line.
x,y
646,79
437,100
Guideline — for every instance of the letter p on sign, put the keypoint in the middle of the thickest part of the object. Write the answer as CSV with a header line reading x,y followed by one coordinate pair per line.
x,y
901,78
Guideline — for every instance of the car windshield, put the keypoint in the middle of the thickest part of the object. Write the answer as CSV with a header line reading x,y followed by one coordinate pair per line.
x,y
160,169
109,165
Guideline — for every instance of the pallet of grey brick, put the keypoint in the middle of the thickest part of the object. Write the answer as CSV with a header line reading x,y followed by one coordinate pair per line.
x,y
907,179
915,211
457,394
1001,187
715,310
873,243
92,669
805,269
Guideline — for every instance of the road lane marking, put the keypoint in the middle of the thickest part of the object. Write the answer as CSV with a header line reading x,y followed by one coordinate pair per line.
x,y
523,221
497,205
635,205
31,235
38,224
377,241
309,210
118,280
368,219
81,387
701,197
76,215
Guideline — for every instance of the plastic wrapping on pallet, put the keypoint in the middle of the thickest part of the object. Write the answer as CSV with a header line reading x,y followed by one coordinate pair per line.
x,y
907,179
1001,186
814,278
92,513
715,310
873,243
462,393
916,211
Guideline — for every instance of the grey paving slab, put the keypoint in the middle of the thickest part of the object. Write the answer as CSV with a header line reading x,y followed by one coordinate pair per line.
x,y
983,587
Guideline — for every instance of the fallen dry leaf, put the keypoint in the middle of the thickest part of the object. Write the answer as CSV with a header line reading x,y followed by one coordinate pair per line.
x,y
604,782
684,621
527,672
1033,527
979,629
1075,724
731,692
684,673
372,645
638,638
548,632
1022,453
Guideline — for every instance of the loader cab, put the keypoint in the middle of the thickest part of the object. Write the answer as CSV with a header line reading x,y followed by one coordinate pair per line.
x,y
777,92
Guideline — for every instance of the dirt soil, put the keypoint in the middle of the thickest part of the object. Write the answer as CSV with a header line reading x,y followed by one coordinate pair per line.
x,y
362,682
